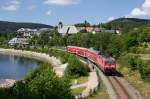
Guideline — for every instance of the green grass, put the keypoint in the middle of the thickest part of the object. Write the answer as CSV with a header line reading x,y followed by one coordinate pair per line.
x,y
80,80
77,90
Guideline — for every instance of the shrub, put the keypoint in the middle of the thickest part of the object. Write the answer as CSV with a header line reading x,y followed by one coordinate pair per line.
x,y
48,86
130,61
144,70
134,63
4,93
41,83
76,68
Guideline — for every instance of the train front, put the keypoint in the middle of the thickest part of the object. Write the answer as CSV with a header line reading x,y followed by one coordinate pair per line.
x,y
110,65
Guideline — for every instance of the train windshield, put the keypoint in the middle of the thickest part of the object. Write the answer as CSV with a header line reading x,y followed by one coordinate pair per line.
x,y
109,62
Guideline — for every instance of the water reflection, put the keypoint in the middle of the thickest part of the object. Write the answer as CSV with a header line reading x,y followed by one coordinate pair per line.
x,y
14,67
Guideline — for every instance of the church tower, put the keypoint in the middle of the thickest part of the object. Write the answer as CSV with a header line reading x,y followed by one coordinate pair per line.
x,y
60,25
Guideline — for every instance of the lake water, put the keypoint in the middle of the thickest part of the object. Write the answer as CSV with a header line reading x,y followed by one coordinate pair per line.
x,y
14,67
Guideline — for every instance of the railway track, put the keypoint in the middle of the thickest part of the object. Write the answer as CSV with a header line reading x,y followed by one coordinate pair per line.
x,y
118,88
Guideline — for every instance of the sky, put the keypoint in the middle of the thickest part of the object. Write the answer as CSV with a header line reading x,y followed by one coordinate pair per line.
x,y
72,11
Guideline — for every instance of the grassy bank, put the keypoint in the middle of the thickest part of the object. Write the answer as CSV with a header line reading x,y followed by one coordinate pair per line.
x,y
100,94
80,80
134,78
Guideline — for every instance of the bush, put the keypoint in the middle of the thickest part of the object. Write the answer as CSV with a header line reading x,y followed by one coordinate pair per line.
x,y
130,61
144,70
76,68
41,83
134,63
4,94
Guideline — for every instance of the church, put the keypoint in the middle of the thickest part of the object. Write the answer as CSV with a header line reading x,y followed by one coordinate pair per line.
x,y
67,30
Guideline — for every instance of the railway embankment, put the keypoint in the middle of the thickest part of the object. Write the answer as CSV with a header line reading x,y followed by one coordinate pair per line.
x,y
90,86
113,90
110,91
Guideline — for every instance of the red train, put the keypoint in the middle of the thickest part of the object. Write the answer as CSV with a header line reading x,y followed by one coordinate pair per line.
x,y
106,64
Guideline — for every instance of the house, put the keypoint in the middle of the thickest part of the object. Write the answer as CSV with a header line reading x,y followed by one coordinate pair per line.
x,y
26,32
90,29
67,30
109,31
112,31
15,41
97,30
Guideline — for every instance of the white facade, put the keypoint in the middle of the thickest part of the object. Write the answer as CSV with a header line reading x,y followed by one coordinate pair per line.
x,y
26,32
17,41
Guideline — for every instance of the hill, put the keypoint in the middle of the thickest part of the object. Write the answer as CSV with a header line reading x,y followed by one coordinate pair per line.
x,y
10,27
125,24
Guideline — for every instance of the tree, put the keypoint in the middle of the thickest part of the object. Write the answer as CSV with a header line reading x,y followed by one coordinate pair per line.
x,y
144,36
46,85
115,45
44,38
129,41
100,41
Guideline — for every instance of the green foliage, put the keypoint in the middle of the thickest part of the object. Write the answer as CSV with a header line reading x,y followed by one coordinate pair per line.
x,y
4,38
76,68
144,36
47,39
144,69
80,39
134,63
129,41
4,93
41,83
115,47
101,41
83,31
21,91
130,61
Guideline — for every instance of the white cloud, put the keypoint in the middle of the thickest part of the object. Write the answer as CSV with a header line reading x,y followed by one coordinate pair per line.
x,y
12,5
49,13
111,18
61,2
144,10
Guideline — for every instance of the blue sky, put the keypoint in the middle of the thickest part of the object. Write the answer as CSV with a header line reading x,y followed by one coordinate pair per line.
x,y
72,11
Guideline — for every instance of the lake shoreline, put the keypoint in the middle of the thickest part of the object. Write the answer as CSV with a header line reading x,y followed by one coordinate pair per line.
x,y
5,83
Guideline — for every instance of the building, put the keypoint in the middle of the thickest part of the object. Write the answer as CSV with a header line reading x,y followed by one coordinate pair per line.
x,y
64,30
112,31
26,32
15,41
67,30
109,31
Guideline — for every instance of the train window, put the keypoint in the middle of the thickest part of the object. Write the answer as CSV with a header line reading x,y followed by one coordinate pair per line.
x,y
109,62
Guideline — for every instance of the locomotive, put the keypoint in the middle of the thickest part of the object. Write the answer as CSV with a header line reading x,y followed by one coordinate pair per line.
x,y
106,64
